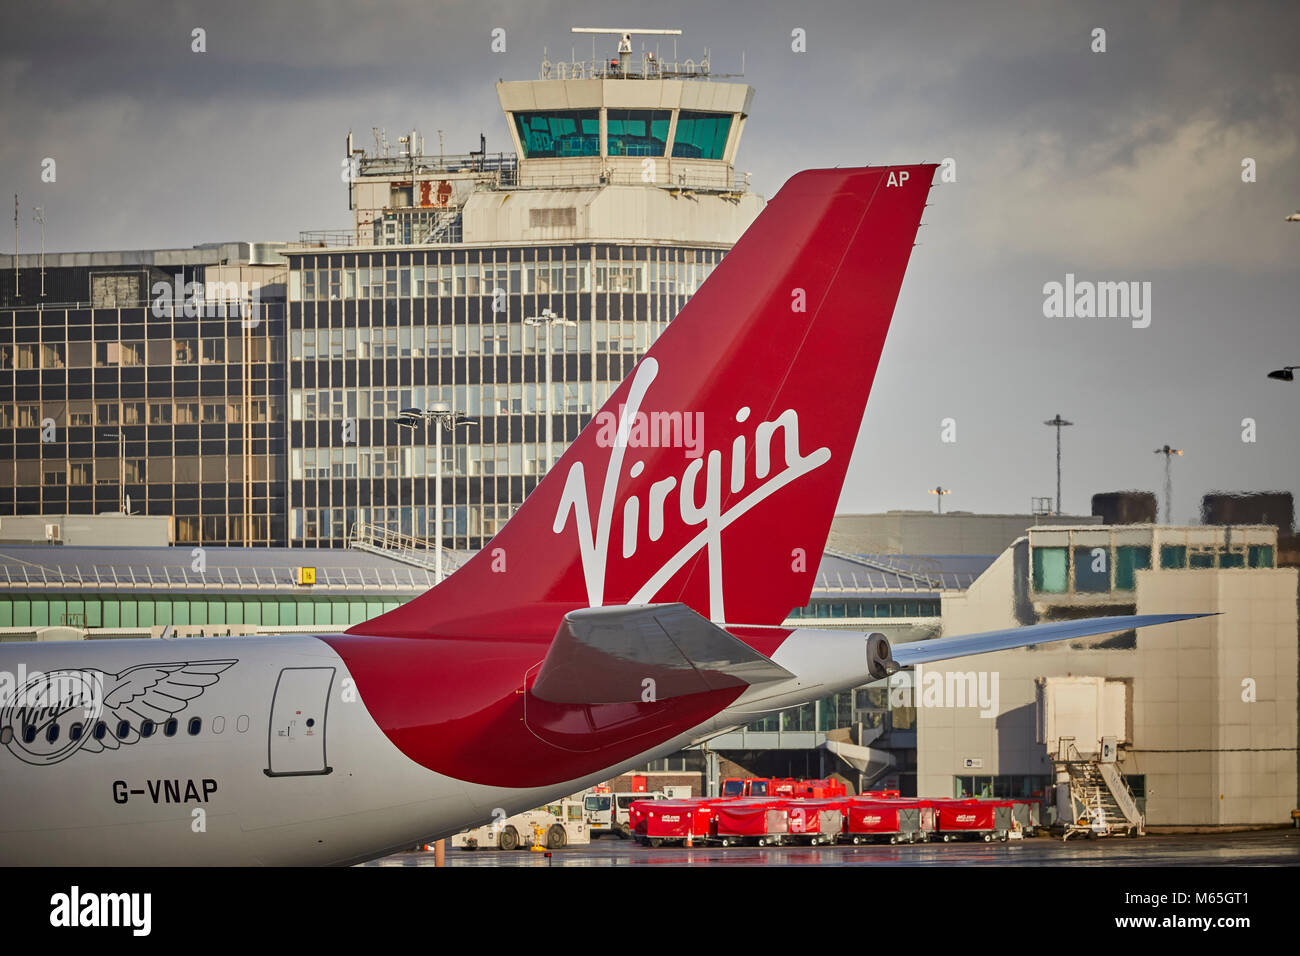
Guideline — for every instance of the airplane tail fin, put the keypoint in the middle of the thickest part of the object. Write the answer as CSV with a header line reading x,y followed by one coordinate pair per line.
x,y
711,475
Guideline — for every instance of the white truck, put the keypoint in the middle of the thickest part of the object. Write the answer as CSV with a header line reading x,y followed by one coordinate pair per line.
x,y
608,812
553,826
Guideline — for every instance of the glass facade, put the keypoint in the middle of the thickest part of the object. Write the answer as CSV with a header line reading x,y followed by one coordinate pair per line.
x,y
182,414
637,132
123,610
556,134
559,133
924,607
371,333
701,135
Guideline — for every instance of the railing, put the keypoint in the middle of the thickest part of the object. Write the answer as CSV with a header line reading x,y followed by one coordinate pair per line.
x,y
404,547
215,578
644,67
328,237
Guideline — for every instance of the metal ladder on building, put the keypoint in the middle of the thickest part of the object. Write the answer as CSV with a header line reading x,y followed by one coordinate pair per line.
x,y
1102,803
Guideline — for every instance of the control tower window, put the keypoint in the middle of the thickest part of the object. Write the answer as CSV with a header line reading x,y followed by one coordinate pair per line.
x,y
559,133
637,132
701,135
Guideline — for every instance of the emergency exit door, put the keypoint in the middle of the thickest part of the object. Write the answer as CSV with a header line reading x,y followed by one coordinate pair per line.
x,y
298,711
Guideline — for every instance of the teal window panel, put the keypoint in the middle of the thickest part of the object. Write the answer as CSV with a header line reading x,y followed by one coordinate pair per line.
x,y
253,612
59,611
1232,559
701,135
94,612
199,612
1049,570
145,608
556,133
130,617
288,613
636,132
1128,559
340,612
1173,556
22,612
162,612
1200,559
6,612
270,613
1261,555
217,611
181,612
40,612
112,612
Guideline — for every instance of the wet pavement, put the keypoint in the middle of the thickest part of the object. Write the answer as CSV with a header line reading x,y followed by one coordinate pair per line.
x,y
1266,848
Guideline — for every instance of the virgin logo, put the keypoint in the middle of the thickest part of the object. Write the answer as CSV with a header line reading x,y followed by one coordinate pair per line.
x,y
699,502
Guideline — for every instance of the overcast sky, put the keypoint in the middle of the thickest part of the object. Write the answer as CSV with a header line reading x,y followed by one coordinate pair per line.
x,y
1117,166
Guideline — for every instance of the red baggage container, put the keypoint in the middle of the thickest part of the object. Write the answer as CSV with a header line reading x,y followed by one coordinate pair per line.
x,y
674,820
816,820
903,821
755,819
990,819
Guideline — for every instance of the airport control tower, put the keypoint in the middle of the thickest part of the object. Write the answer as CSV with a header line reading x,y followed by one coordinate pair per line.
x,y
464,276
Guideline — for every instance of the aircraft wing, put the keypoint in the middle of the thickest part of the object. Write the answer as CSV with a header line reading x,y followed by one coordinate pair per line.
x,y
964,645
606,655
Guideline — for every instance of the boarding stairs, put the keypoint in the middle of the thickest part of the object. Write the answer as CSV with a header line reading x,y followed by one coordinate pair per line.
x,y
1102,803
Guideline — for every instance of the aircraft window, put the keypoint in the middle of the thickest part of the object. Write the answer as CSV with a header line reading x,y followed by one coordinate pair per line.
x,y
196,724
29,733
74,732
147,728
123,728
169,728
101,730
52,734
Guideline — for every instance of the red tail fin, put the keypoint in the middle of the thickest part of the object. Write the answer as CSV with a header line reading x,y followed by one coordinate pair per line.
x,y
711,475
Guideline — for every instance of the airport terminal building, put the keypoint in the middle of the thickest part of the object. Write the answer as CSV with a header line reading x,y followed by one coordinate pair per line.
x,y
138,380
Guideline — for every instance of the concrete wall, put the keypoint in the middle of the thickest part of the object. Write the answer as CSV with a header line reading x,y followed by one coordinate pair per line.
x,y
921,532
629,213
91,530
1209,757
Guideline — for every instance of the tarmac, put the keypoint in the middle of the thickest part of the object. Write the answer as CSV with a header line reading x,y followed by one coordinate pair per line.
x,y
1257,848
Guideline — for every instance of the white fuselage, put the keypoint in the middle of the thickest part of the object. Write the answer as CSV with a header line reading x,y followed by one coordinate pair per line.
x,y
256,785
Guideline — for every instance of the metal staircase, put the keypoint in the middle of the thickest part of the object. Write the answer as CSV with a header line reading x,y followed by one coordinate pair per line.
x,y
1102,803
402,547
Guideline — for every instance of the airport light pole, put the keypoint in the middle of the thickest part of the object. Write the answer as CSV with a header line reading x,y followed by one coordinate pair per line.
x,y
40,217
548,320
940,491
1058,423
1169,454
443,418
